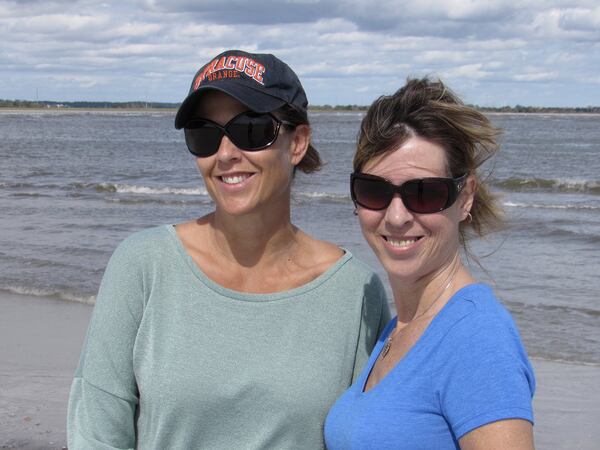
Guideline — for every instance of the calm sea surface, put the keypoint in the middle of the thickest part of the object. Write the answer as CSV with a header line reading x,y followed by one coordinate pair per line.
x,y
74,184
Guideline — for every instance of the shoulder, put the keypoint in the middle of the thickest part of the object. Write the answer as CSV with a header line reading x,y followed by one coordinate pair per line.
x,y
478,333
150,240
130,273
357,271
338,264
475,331
475,309
351,281
483,373
356,267
358,277
317,254
147,238
472,307
141,250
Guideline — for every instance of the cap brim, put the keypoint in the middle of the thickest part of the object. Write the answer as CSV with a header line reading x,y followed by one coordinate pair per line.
x,y
255,100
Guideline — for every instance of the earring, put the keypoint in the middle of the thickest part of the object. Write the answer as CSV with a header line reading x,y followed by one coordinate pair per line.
x,y
355,212
469,217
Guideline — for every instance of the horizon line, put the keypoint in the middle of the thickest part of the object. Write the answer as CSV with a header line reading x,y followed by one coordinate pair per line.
x,y
8,103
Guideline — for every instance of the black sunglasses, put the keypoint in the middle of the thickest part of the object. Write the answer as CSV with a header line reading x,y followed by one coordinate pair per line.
x,y
421,195
250,131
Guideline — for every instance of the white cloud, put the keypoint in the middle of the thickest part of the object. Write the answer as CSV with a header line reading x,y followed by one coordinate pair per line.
x,y
211,31
495,45
577,24
347,51
581,19
444,56
536,75
149,50
58,24
474,71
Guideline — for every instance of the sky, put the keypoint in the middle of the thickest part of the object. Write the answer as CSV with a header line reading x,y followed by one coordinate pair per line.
x,y
490,52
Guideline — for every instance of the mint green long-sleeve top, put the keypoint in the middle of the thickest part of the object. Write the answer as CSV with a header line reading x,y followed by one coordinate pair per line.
x,y
173,360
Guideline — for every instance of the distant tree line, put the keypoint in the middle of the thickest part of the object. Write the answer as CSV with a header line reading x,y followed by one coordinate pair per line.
x,y
539,109
339,107
161,105
81,104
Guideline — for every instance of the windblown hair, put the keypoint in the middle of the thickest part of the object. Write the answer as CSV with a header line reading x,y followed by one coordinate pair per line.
x,y
312,160
427,108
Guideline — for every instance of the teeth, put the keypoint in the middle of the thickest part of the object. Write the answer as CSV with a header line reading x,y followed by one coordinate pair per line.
x,y
234,179
401,243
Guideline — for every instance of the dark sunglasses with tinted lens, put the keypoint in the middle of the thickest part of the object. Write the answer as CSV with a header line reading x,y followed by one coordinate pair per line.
x,y
421,195
250,131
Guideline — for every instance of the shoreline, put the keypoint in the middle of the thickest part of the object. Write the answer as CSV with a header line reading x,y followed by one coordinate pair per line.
x,y
41,338
315,109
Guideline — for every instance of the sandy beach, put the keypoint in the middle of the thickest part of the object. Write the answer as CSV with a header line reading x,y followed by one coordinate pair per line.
x,y
40,340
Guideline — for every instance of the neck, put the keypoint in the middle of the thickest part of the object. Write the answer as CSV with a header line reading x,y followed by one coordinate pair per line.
x,y
425,296
253,239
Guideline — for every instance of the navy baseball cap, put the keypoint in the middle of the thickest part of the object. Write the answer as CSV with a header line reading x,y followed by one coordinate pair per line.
x,y
260,81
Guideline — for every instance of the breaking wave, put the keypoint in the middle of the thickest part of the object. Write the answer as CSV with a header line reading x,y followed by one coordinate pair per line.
x,y
52,293
574,206
144,190
550,185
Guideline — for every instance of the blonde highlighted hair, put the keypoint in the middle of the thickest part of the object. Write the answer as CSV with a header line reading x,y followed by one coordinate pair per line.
x,y
429,109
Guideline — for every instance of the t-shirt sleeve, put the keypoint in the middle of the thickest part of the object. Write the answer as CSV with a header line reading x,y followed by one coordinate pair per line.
x,y
375,316
104,395
487,377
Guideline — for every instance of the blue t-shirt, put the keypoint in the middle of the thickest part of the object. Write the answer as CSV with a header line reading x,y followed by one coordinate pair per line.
x,y
468,368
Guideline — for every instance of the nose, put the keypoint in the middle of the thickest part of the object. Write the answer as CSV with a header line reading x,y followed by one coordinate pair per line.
x,y
228,151
396,214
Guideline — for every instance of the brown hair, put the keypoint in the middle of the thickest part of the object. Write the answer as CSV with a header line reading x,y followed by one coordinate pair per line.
x,y
312,160
429,109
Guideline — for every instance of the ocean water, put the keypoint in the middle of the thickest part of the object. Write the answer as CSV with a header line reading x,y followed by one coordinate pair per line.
x,y
74,184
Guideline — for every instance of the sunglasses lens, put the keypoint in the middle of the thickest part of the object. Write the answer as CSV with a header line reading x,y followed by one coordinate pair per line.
x,y
425,196
252,131
202,138
248,131
372,194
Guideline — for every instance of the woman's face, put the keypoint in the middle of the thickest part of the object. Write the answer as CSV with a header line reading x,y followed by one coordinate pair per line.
x,y
413,246
242,182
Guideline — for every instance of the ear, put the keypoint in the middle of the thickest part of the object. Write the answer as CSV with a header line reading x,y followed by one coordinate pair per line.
x,y
299,144
467,197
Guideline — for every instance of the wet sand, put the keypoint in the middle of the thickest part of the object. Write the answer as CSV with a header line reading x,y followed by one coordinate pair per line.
x,y
40,341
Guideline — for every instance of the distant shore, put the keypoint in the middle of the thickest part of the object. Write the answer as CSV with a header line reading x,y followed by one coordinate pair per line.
x,y
98,110
137,106
310,110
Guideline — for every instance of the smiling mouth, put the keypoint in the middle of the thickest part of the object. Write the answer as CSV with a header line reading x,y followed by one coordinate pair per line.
x,y
400,243
234,179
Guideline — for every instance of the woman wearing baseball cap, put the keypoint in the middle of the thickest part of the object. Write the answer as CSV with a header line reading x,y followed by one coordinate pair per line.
x,y
236,329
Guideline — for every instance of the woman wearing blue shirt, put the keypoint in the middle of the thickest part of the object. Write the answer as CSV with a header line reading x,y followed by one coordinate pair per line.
x,y
450,370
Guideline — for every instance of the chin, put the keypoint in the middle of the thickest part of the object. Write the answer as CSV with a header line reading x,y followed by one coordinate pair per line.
x,y
404,267
401,272
236,210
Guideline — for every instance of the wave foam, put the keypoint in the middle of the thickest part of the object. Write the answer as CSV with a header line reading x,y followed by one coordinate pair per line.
x,y
321,196
52,293
129,189
544,184
120,188
542,206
